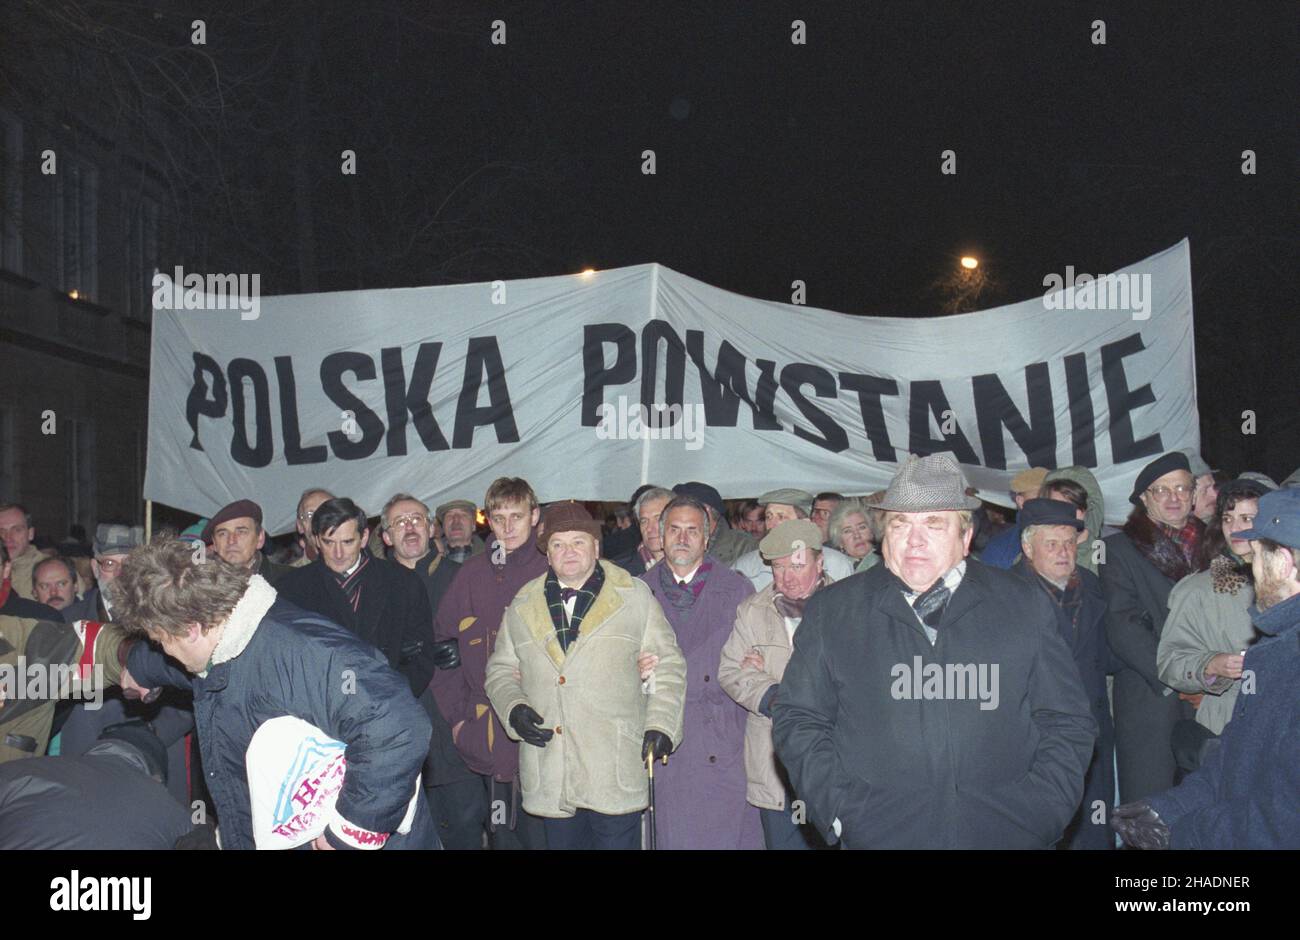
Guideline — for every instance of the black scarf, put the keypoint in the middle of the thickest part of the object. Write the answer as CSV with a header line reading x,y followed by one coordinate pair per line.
x,y
567,628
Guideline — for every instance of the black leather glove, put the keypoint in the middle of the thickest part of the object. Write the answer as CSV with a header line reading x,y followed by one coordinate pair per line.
x,y
525,721
446,654
657,743
1140,826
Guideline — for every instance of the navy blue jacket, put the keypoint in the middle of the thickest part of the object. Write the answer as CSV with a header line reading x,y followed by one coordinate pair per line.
x,y
301,664
1247,793
902,771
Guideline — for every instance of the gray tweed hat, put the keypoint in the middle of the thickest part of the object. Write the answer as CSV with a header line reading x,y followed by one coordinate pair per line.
x,y
928,484
800,499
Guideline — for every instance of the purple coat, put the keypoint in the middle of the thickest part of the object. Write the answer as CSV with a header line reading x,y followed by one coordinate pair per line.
x,y
700,796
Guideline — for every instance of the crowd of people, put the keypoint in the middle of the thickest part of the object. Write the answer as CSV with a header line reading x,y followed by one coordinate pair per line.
x,y
910,668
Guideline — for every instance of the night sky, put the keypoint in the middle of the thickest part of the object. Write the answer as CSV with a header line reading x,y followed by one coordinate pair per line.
x,y
775,161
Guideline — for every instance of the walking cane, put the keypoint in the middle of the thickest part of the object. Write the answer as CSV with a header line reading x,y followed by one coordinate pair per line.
x,y
650,809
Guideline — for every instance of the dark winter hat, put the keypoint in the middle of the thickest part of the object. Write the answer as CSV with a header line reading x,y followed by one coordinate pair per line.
x,y
1175,460
239,509
568,516
705,494
1277,519
1048,512
115,539
141,737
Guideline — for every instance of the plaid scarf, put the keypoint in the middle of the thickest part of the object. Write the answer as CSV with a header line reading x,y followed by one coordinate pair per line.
x,y
1187,539
350,584
567,628
683,596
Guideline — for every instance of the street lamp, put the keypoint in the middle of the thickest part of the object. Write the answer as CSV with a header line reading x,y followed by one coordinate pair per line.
x,y
969,263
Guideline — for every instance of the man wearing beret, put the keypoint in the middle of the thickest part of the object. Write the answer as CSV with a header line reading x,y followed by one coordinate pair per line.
x,y
1049,530
778,506
930,701
1246,794
1155,550
564,680
236,535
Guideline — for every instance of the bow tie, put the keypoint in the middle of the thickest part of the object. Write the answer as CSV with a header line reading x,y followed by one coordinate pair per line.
x,y
567,593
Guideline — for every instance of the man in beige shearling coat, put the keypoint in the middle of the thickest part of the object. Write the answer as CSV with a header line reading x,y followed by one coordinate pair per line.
x,y
753,661
564,679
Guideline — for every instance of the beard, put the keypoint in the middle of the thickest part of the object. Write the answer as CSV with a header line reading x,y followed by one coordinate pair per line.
x,y
1269,592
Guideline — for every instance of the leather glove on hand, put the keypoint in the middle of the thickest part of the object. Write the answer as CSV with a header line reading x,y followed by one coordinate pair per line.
x,y
446,655
657,743
525,721
1140,826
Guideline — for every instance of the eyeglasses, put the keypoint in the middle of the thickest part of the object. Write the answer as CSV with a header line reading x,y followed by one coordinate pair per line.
x,y
412,521
1182,490
108,564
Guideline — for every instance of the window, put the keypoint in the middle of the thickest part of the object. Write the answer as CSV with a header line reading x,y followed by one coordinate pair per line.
x,y
80,435
76,218
11,193
141,214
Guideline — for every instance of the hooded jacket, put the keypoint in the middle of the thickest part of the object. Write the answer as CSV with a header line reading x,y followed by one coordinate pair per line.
x,y
1095,515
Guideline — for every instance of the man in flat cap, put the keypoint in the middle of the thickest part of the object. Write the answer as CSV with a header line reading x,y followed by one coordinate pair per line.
x,y
457,519
1049,531
564,680
1157,547
930,701
779,506
1003,549
753,662
236,535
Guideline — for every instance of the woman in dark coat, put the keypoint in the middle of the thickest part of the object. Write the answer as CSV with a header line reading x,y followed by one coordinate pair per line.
x,y
1154,551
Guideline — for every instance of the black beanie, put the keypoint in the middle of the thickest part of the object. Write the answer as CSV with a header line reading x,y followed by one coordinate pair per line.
x,y
1175,460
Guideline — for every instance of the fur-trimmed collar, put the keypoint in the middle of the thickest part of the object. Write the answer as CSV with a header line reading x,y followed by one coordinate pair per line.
x,y
1158,548
243,621
1229,575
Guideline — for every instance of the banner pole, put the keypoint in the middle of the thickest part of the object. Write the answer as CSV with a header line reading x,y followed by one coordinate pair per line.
x,y
148,521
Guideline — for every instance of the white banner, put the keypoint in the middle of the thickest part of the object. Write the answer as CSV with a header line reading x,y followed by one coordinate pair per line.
x,y
437,391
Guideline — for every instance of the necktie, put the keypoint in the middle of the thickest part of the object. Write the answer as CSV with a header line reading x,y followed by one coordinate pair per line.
x,y
929,606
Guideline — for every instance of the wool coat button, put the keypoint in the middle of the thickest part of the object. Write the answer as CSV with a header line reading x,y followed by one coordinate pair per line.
x,y
559,730
561,680
706,678
712,759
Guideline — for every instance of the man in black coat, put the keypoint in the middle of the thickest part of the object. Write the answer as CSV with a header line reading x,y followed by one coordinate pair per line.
x,y
1049,531
381,603
1155,550
930,701
111,797
455,792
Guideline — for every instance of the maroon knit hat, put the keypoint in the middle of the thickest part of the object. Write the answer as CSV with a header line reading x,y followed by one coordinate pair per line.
x,y
568,516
